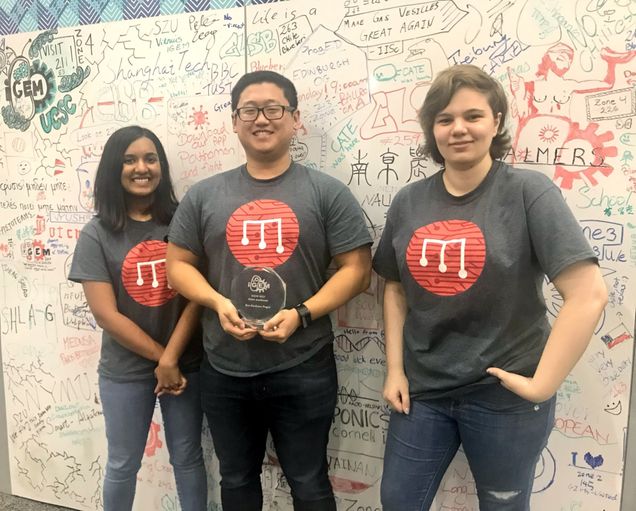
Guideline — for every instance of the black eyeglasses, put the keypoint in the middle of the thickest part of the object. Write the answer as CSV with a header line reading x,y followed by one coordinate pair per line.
x,y
271,112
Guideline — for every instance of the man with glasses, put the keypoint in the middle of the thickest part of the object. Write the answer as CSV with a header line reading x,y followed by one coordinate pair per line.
x,y
270,212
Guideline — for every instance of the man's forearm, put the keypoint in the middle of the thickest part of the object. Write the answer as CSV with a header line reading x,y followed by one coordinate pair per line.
x,y
347,282
188,281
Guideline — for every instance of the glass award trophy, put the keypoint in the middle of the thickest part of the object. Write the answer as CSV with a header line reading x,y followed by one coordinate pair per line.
x,y
258,293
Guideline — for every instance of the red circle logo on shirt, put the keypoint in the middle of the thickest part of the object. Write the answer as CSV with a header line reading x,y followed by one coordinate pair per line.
x,y
446,258
262,233
144,274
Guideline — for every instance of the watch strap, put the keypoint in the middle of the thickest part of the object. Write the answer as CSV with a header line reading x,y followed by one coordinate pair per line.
x,y
305,315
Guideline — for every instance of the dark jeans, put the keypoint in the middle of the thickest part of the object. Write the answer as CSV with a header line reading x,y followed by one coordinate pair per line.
x,y
297,406
502,436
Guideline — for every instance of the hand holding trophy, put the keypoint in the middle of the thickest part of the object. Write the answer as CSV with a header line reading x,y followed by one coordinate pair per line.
x,y
258,293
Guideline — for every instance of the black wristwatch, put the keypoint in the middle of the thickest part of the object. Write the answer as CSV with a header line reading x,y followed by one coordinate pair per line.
x,y
305,315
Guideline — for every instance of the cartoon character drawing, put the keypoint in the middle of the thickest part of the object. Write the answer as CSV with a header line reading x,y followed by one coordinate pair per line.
x,y
546,134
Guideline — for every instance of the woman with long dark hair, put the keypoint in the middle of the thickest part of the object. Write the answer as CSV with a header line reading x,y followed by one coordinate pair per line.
x,y
151,344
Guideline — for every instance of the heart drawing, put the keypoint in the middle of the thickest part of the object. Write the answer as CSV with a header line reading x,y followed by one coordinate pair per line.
x,y
593,461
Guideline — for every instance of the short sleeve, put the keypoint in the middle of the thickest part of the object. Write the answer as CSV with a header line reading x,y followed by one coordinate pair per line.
x,y
385,261
557,238
345,226
89,260
186,224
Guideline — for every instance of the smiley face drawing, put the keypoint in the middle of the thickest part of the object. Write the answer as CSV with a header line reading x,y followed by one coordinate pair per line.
x,y
614,408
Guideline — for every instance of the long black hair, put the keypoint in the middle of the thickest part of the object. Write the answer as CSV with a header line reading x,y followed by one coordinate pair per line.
x,y
110,197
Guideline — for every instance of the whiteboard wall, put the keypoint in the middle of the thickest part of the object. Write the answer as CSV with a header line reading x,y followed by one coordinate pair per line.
x,y
362,68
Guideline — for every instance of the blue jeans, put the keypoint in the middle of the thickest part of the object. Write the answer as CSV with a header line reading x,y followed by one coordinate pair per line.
x,y
297,406
502,436
128,408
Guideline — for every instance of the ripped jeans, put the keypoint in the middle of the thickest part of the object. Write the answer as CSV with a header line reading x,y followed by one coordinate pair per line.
x,y
502,436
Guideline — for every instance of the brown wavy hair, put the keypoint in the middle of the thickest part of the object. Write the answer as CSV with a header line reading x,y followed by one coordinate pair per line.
x,y
442,90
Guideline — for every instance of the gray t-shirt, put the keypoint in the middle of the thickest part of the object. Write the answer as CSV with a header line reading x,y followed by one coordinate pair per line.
x,y
133,261
294,223
472,268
